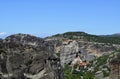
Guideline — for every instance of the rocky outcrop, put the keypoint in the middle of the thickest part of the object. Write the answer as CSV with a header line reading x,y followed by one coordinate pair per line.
x,y
96,49
53,45
27,57
25,39
115,68
88,50
68,52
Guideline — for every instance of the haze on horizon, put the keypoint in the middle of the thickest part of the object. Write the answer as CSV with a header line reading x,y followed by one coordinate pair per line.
x,y
49,17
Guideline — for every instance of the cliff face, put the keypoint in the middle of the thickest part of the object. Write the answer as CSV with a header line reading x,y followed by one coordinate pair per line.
x,y
115,71
87,50
115,67
68,49
96,50
68,52
27,57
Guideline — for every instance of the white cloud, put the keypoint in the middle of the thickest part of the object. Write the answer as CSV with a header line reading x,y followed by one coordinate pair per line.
x,y
2,33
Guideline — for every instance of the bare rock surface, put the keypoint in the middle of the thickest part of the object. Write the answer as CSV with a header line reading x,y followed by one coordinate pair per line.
x,y
24,56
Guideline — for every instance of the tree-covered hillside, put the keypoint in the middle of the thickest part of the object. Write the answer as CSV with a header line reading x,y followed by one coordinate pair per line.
x,y
88,37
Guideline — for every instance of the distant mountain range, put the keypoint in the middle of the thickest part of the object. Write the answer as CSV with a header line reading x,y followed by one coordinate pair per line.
x,y
109,39
113,38
112,35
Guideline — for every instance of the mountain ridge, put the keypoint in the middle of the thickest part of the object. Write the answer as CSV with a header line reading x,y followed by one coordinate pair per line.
x,y
88,37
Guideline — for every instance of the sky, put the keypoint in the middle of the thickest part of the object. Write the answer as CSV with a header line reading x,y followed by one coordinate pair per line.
x,y
48,17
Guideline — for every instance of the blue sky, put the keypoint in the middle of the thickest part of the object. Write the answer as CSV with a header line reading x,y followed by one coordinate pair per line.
x,y
49,17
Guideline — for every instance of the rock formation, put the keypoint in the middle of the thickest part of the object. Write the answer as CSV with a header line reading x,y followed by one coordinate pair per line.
x,y
115,68
88,50
24,56
68,52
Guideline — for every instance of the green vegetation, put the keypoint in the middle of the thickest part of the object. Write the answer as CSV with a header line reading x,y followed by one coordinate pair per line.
x,y
102,60
68,75
106,74
77,75
58,54
91,38
116,60
28,62
100,65
88,75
